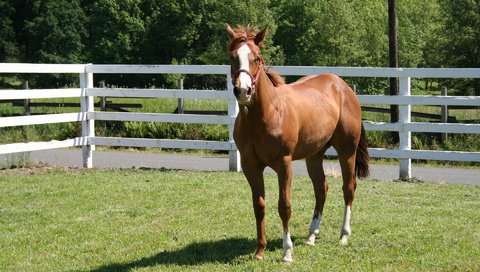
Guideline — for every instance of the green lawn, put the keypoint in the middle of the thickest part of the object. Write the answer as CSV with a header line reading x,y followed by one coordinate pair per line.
x,y
151,220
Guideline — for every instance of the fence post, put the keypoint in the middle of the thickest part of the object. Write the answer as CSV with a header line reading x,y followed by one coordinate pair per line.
x,y
180,100
103,99
444,110
234,155
103,105
88,125
26,102
405,136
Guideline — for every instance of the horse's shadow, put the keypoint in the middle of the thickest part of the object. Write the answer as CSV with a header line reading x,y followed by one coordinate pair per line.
x,y
223,251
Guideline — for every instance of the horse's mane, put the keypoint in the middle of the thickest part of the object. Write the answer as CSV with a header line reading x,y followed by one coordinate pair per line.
x,y
248,33
275,78
242,35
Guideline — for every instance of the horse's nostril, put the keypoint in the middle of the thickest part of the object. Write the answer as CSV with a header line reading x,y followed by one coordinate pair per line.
x,y
249,91
236,91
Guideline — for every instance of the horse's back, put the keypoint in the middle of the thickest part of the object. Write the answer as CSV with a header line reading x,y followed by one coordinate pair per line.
x,y
326,88
323,91
322,82
326,107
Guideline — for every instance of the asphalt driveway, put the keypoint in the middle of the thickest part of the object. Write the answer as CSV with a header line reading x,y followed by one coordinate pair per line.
x,y
111,159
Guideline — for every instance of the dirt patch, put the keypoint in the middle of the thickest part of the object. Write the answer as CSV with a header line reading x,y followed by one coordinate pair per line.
x,y
33,170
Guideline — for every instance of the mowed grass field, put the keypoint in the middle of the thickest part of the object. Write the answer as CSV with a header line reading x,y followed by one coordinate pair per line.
x,y
152,220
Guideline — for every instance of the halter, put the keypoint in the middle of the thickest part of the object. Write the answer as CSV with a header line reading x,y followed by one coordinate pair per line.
x,y
254,79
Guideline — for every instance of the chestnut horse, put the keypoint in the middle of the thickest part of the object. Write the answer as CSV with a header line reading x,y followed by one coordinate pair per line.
x,y
278,123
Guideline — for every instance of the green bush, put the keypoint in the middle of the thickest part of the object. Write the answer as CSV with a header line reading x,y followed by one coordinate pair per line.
x,y
174,131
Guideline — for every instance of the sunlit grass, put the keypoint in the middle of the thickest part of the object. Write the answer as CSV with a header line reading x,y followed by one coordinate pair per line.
x,y
148,220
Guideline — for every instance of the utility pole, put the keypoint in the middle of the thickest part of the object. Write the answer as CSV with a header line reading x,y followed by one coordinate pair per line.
x,y
393,59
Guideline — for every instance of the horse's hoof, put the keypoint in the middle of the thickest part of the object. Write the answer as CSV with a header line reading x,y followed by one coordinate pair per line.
x,y
310,240
258,258
287,256
344,240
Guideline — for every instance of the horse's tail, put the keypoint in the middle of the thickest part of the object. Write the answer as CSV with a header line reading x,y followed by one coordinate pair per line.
x,y
361,160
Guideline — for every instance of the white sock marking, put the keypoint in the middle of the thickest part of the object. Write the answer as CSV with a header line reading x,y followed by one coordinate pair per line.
x,y
346,225
315,225
314,230
288,247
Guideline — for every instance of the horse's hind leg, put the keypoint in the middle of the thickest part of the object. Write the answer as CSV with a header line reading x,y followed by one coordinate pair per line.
x,y
284,172
320,187
347,163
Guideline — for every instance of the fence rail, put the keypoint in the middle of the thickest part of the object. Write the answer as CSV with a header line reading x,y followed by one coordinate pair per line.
x,y
87,115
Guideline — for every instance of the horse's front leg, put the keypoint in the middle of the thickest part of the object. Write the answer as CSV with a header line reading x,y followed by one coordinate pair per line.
x,y
255,180
320,187
284,172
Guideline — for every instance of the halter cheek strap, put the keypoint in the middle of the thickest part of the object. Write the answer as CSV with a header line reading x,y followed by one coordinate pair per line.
x,y
253,78
237,74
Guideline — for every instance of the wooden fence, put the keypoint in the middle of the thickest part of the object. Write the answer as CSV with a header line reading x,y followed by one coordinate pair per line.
x,y
87,115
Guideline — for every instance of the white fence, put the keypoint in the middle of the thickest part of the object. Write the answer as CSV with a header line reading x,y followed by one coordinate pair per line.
x,y
87,114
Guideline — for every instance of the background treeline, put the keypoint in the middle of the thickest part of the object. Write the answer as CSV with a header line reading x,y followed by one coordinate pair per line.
x,y
433,33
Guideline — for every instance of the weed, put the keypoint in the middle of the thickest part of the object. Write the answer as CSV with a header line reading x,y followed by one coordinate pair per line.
x,y
17,160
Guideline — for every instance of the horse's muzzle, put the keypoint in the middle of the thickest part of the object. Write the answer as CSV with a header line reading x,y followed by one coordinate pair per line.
x,y
237,91
243,95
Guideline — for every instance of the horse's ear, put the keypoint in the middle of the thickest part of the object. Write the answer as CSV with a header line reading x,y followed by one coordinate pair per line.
x,y
261,36
230,32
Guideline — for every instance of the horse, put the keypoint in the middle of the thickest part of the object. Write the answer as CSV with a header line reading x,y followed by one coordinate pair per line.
x,y
278,123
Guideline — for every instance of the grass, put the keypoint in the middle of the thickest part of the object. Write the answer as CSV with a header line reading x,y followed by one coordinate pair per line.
x,y
151,220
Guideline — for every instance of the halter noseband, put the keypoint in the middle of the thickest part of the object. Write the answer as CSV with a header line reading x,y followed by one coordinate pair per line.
x,y
254,79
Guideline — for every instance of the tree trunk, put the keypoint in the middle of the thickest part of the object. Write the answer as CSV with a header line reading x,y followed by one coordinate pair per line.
x,y
393,57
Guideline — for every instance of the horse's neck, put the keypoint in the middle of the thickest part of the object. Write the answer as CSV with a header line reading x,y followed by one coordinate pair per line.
x,y
266,93
267,102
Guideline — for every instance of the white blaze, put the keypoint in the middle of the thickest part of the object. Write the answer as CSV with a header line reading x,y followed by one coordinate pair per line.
x,y
245,80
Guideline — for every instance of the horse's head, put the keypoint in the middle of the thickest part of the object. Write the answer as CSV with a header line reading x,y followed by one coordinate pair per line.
x,y
246,61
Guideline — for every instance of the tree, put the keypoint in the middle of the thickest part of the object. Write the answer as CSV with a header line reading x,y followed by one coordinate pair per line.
x,y
9,51
393,60
56,33
8,46
334,33
301,32
116,31
193,32
460,46
462,27
116,34
48,32
318,32
171,28
257,13
417,21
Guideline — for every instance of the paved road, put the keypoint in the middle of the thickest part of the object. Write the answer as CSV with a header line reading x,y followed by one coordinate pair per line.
x,y
109,159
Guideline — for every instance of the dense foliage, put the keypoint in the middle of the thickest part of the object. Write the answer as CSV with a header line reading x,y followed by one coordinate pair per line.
x,y
436,33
